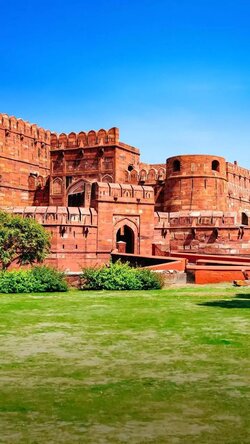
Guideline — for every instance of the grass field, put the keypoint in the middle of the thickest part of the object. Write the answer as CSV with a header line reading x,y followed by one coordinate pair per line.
x,y
168,366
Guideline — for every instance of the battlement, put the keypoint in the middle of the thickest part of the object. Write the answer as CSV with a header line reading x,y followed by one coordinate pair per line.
x,y
202,218
118,192
235,169
52,215
147,173
23,129
85,139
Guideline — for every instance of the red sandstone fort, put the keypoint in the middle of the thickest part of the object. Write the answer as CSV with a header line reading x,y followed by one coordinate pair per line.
x,y
95,196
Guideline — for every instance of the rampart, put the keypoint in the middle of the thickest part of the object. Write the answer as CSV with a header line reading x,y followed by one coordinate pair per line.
x,y
24,162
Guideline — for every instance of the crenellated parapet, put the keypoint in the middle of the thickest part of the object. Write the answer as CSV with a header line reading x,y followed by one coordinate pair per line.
x,y
234,168
122,193
204,218
24,162
146,174
58,216
85,139
23,129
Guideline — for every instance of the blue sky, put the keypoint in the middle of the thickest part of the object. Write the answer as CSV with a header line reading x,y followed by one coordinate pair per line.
x,y
173,75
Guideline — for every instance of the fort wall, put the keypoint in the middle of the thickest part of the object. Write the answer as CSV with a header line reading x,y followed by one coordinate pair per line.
x,y
24,162
238,187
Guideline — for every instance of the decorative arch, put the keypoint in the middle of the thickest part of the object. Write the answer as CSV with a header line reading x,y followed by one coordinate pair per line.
x,y
134,176
127,231
78,194
161,174
152,174
57,186
143,175
107,178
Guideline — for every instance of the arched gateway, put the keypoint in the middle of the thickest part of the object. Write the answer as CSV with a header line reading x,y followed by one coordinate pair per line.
x,y
125,234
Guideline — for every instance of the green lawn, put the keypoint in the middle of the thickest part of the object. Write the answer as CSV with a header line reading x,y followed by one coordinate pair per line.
x,y
168,366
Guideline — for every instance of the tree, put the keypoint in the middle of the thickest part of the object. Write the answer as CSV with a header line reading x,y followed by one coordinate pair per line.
x,y
22,240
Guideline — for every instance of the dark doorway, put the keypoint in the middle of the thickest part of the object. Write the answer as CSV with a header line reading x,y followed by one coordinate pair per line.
x,y
126,234
76,200
244,219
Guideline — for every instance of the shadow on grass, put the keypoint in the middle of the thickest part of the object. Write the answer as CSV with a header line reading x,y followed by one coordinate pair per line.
x,y
243,295
240,302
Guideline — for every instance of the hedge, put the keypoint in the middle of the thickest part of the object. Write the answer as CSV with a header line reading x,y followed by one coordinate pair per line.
x,y
119,276
36,279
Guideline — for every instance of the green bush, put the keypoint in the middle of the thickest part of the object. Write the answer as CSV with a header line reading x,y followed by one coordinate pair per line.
x,y
16,281
119,276
37,279
48,279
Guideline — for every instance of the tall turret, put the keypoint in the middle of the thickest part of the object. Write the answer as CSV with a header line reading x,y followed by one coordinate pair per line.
x,y
195,182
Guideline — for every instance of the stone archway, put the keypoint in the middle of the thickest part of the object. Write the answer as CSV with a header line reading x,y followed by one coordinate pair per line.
x,y
125,234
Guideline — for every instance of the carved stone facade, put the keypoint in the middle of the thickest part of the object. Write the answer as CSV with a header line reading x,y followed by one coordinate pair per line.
x,y
94,195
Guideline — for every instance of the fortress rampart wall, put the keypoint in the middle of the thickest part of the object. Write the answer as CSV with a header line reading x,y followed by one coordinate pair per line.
x,y
24,162
238,187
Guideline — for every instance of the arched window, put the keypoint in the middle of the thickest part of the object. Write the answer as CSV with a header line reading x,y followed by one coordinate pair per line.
x,y
130,167
176,165
216,165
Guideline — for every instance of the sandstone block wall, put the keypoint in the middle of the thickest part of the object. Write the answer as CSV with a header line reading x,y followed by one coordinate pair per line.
x,y
120,205
91,157
195,182
24,162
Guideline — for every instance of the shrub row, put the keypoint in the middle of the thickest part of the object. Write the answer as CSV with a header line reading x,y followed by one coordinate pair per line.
x,y
119,276
36,279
